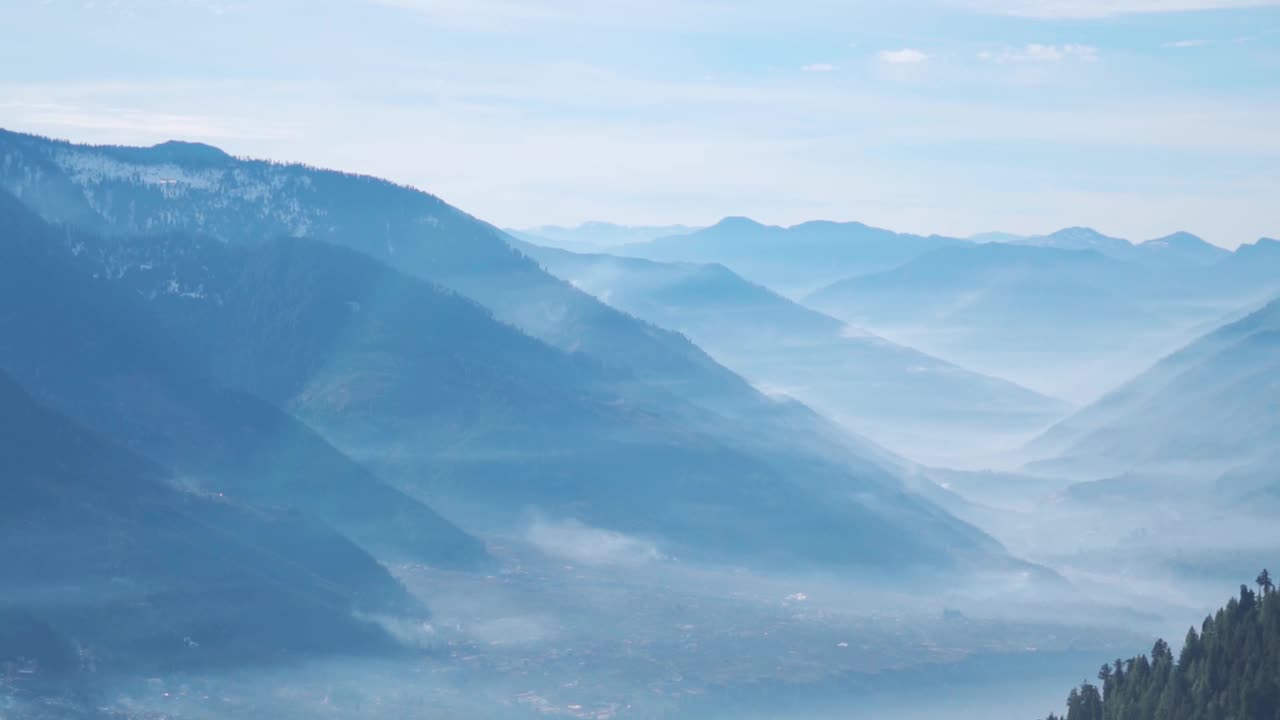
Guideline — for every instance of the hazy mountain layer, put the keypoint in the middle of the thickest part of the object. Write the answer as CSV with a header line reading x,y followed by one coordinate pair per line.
x,y
492,423
926,408
1212,403
792,260
1070,322
1180,248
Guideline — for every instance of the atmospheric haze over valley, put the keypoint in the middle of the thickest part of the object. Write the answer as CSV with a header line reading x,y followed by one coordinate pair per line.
x,y
284,434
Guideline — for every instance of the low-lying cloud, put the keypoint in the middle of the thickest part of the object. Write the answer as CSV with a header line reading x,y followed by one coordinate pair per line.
x,y
586,545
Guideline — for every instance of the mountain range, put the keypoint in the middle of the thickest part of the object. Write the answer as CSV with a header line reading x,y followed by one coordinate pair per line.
x,y
791,260
1179,247
335,297
1070,322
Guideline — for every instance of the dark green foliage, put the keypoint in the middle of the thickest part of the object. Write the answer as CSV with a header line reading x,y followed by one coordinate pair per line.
x,y
1229,670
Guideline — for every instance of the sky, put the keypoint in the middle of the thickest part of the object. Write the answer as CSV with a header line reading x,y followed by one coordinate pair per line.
x,y
1136,117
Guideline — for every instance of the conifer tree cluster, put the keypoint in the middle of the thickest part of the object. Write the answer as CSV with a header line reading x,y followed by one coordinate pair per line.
x,y
1229,670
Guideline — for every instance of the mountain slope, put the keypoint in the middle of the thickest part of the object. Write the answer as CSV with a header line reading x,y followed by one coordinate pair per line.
x,y
1213,402
99,552
916,404
96,355
792,260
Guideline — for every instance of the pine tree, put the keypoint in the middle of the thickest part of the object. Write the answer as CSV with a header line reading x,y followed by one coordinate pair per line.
x,y
1229,670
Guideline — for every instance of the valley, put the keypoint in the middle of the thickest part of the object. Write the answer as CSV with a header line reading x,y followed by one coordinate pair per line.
x,y
659,475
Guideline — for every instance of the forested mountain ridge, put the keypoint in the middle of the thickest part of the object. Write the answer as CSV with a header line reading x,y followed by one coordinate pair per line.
x,y
1229,670
99,355
189,188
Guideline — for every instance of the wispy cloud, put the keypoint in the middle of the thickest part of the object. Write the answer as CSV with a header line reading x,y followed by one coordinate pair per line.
x,y
142,122
1038,53
509,14
905,56
1077,9
1186,44
515,128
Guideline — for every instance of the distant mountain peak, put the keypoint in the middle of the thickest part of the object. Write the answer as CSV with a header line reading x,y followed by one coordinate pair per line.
x,y
1079,232
849,225
191,152
1183,246
1082,238
1262,245
1180,238
737,222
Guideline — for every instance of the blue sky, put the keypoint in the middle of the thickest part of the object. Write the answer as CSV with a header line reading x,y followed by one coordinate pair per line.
x,y
1138,117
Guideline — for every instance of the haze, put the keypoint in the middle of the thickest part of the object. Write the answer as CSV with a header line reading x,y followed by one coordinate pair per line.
x,y
420,359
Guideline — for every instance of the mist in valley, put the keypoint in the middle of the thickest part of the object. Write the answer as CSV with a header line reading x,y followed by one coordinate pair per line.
x,y
540,534
751,362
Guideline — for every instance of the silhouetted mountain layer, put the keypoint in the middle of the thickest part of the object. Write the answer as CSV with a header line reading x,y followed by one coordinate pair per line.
x,y
917,404
1069,322
793,260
